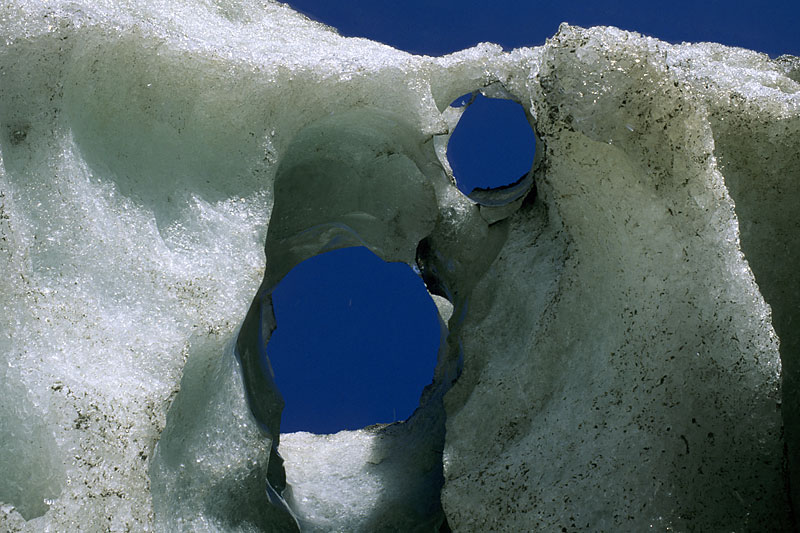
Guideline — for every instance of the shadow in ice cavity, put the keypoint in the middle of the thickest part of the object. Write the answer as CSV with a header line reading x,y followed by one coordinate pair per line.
x,y
30,459
492,145
356,342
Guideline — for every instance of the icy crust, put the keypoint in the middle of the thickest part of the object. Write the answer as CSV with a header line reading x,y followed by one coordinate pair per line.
x,y
616,362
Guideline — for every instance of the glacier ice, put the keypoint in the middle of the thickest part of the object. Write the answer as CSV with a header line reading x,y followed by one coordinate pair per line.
x,y
619,349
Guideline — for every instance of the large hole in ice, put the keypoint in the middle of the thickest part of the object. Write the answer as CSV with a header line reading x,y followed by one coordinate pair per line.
x,y
492,146
368,178
356,341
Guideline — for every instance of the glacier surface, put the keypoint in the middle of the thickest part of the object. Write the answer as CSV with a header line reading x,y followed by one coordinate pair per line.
x,y
619,342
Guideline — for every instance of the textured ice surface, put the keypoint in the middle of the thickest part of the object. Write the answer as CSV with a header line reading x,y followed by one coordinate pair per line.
x,y
622,337
358,481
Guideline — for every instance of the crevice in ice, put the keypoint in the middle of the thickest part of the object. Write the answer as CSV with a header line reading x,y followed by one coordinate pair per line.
x,y
761,170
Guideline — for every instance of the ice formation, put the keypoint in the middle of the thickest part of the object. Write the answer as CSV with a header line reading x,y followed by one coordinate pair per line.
x,y
620,349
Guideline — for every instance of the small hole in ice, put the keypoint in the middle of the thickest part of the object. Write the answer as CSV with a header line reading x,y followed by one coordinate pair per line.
x,y
492,145
356,342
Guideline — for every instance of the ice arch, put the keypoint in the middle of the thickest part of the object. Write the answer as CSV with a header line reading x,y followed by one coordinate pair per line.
x,y
346,180
616,358
358,178
367,178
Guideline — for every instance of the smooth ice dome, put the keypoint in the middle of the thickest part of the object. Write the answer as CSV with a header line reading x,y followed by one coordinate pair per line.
x,y
619,349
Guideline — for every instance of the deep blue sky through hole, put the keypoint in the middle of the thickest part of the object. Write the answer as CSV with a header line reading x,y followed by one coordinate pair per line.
x,y
355,344
437,28
492,145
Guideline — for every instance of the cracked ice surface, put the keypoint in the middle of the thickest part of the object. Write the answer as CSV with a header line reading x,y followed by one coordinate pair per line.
x,y
622,337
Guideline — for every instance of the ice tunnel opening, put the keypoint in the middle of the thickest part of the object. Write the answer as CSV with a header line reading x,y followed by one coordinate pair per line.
x,y
355,344
492,148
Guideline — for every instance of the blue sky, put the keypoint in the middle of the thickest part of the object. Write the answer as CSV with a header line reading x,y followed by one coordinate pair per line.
x,y
356,341
493,144
357,338
439,27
